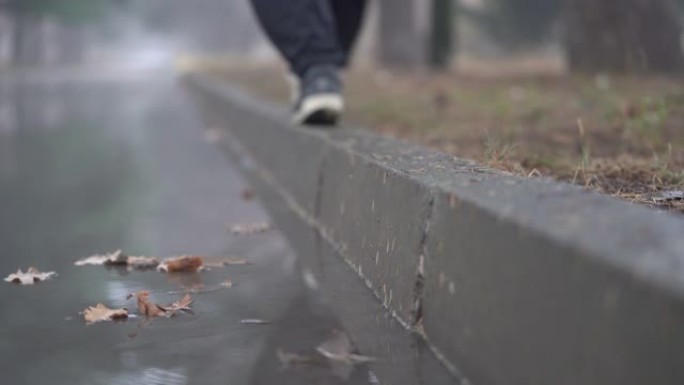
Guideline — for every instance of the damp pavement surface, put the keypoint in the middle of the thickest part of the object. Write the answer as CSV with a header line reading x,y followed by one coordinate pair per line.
x,y
123,163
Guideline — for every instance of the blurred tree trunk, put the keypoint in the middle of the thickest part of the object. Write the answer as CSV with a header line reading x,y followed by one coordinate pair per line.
x,y
415,33
6,37
634,36
20,31
441,46
402,40
26,41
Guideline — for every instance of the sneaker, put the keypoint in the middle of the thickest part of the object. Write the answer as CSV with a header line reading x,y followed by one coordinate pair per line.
x,y
320,100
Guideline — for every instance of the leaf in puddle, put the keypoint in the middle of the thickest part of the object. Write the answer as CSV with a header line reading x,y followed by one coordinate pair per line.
x,y
100,312
115,258
31,276
184,264
339,348
250,228
339,351
146,307
149,309
118,258
181,305
336,352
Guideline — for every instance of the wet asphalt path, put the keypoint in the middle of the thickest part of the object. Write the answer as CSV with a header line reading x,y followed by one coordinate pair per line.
x,y
91,167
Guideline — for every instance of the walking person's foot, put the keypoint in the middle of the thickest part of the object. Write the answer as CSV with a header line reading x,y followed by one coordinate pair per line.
x,y
320,101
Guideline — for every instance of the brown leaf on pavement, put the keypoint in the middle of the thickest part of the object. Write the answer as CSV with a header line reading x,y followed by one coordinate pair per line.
x,y
182,305
31,276
100,312
149,309
146,307
184,264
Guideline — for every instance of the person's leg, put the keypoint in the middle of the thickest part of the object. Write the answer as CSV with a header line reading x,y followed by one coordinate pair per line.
x,y
304,31
348,19
315,37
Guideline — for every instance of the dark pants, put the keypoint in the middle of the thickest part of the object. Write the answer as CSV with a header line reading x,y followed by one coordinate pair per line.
x,y
310,32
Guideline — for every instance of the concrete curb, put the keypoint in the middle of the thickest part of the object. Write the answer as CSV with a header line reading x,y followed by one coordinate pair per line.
x,y
512,281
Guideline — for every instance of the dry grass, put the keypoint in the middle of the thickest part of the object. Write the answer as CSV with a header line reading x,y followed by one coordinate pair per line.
x,y
622,136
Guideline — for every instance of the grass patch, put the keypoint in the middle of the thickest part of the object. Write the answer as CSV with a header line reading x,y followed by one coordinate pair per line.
x,y
622,136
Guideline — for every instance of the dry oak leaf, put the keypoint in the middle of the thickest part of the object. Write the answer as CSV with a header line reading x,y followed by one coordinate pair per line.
x,y
118,258
150,309
184,264
100,312
31,276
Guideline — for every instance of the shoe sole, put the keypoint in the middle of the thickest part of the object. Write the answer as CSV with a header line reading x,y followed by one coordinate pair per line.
x,y
320,110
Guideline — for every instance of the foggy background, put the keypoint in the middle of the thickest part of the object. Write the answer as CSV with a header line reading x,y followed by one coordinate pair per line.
x,y
537,36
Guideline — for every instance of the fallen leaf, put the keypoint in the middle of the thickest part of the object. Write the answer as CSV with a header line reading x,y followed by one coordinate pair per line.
x,y
146,307
339,351
115,258
336,353
184,264
250,229
31,276
149,309
182,305
339,348
100,312
118,258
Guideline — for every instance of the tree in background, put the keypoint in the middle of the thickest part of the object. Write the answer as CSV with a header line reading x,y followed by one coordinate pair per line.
x,y
518,24
416,33
36,22
624,35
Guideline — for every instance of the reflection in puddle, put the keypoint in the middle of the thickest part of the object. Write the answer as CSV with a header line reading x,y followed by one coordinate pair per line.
x,y
117,292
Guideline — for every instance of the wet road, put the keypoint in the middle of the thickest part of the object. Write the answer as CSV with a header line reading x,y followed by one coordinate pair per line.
x,y
98,163
94,167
